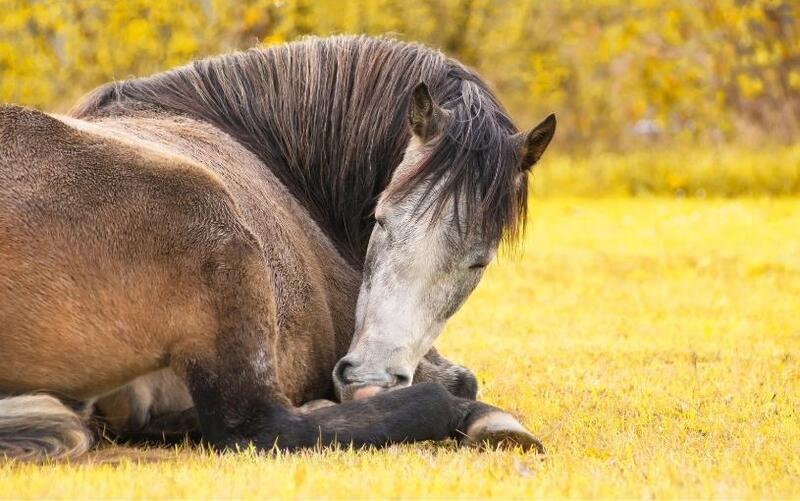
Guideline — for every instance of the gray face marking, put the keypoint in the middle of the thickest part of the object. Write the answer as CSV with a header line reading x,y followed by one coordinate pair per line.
x,y
417,273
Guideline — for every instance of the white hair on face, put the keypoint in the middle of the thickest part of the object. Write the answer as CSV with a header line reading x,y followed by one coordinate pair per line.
x,y
415,279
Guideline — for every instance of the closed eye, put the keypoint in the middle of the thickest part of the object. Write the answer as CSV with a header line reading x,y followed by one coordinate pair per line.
x,y
478,266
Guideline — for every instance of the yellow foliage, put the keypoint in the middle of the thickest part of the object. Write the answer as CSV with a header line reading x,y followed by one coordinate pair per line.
x,y
603,66
686,172
652,344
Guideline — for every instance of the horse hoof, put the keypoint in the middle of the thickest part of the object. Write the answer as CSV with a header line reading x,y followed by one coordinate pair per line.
x,y
498,430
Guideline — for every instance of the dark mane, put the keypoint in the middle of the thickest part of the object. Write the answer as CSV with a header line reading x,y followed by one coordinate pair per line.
x,y
328,117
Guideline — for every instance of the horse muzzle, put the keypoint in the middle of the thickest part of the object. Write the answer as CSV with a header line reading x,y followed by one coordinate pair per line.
x,y
356,380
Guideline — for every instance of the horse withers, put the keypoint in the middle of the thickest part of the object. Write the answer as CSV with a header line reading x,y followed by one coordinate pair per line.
x,y
199,238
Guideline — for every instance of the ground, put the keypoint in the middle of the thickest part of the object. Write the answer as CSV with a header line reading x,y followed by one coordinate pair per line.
x,y
652,344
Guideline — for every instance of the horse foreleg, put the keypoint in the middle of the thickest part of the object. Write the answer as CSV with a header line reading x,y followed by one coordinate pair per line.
x,y
458,380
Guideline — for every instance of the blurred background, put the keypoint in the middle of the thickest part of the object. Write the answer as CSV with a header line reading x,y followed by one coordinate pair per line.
x,y
695,98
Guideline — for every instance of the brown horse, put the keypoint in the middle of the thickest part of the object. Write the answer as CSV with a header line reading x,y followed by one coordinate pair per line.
x,y
198,239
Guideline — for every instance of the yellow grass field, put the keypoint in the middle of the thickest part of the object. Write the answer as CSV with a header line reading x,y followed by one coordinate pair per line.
x,y
652,344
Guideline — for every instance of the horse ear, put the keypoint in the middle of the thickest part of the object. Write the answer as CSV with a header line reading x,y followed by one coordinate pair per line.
x,y
535,142
424,116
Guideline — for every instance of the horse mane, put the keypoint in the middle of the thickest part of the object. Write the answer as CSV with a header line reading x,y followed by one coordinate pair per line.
x,y
329,117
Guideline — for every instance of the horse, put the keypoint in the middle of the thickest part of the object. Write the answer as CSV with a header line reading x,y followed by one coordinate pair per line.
x,y
250,233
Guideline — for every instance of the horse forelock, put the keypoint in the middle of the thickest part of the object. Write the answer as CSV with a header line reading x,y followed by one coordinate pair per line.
x,y
473,162
328,117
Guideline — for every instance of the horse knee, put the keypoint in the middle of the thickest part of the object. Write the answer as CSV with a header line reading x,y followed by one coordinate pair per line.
x,y
461,382
458,380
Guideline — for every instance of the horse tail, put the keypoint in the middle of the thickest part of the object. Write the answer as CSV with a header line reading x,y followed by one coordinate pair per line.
x,y
40,427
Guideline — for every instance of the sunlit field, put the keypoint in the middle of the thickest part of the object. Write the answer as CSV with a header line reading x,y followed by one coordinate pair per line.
x,y
652,344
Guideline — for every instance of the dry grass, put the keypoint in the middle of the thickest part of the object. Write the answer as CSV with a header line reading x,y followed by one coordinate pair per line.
x,y
653,345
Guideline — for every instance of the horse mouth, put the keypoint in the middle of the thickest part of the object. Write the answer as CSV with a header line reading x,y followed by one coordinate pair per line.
x,y
364,392
359,391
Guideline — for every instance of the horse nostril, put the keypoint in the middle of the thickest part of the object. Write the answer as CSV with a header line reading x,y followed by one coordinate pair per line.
x,y
401,379
342,371
348,372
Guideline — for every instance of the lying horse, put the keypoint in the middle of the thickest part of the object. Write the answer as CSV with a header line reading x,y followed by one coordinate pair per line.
x,y
198,238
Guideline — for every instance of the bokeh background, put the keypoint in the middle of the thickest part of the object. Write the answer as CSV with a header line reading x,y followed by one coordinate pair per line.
x,y
647,330
691,98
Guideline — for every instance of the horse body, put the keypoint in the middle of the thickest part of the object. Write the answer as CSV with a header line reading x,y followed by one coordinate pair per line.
x,y
98,301
165,241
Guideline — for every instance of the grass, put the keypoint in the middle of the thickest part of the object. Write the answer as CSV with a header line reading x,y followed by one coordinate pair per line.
x,y
652,344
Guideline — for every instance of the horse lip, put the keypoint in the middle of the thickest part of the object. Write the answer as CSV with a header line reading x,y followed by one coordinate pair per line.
x,y
366,391
360,391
